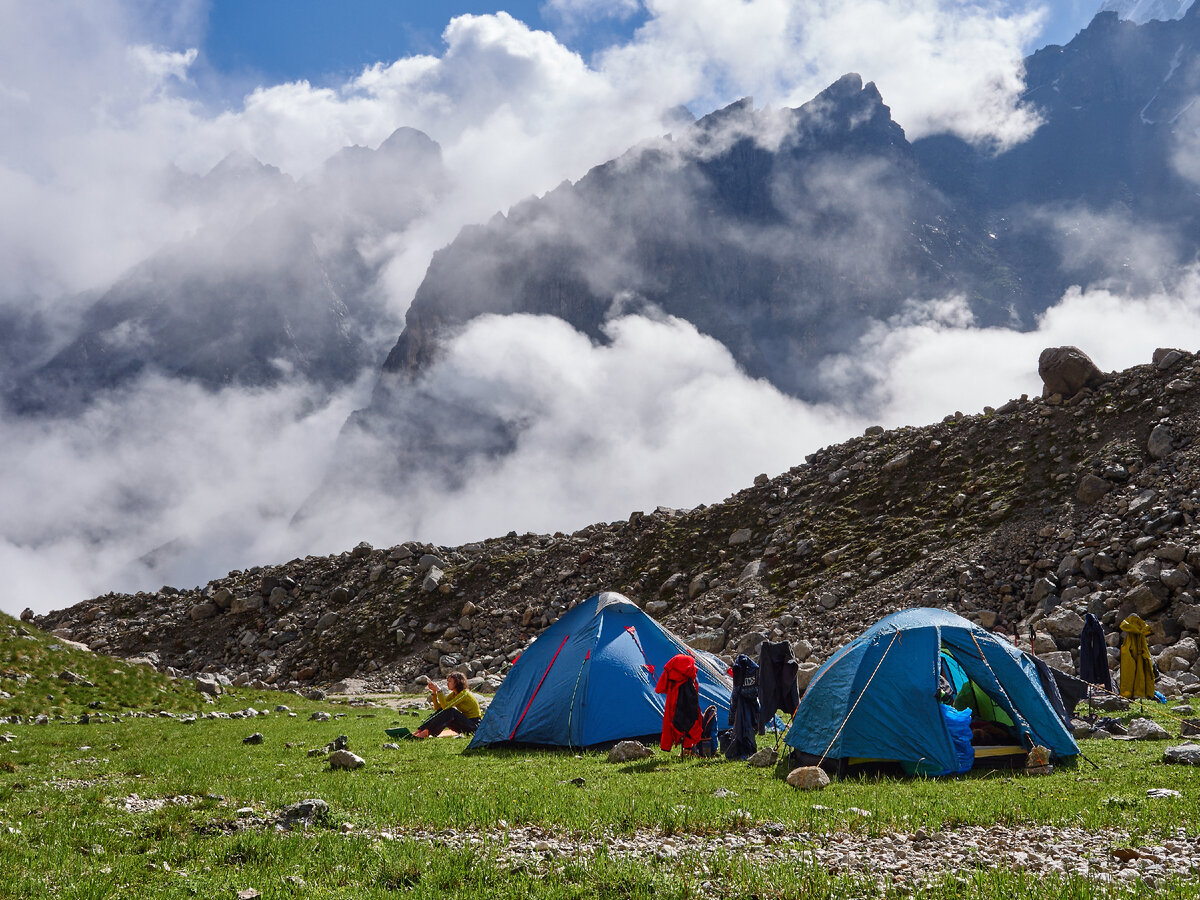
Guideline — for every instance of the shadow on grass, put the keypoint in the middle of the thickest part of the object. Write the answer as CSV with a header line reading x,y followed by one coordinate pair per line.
x,y
645,765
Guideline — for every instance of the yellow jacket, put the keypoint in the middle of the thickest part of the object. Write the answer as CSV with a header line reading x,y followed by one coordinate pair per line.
x,y
1137,671
464,701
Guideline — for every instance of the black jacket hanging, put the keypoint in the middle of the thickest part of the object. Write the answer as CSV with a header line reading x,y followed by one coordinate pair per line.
x,y
743,708
1093,654
777,686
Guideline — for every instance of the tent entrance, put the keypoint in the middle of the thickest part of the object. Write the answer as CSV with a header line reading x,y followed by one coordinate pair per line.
x,y
991,724
969,695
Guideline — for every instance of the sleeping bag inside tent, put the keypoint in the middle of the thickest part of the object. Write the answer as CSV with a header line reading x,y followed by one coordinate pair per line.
x,y
882,699
589,680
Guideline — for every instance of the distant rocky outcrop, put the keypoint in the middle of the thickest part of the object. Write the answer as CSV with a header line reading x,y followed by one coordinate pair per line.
x,y
276,287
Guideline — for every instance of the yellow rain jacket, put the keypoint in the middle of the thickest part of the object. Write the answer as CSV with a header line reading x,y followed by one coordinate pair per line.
x,y
1137,671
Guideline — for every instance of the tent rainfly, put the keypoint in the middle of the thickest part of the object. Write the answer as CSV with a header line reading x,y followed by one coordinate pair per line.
x,y
589,680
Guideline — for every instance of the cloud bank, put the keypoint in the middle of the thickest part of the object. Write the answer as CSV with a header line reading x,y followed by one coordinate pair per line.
x,y
162,482
99,98
171,484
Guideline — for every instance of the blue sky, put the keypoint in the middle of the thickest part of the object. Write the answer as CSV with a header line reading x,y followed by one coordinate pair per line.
x,y
327,41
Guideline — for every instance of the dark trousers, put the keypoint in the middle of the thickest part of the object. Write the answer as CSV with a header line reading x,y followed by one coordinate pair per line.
x,y
449,718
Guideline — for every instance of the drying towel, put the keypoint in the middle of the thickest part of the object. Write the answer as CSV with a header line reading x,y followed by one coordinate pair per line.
x,y
778,689
743,708
1137,670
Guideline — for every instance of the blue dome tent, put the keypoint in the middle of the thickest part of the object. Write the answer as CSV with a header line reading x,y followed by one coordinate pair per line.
x,y
876,698
589,679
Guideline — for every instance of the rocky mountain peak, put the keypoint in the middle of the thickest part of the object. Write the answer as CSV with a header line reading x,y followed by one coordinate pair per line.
x,y
409,142
850,109
241,164
737,111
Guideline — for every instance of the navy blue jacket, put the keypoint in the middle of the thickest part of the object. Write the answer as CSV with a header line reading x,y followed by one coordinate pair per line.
x,y
1093,654
743,708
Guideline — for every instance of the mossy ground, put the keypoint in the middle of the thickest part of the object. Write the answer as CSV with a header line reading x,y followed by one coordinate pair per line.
x,y
66,831
151,805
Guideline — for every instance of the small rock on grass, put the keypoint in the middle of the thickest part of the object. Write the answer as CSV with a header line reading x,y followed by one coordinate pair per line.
x,y
1186,754
629,750
763,759
305,812
1147,730
808,778
1162,793
255,738
344,759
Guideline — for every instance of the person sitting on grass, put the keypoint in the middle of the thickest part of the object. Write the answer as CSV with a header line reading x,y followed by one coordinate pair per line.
x,y
458,708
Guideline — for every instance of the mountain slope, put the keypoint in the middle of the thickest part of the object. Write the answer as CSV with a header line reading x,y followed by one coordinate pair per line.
x,y
778,233
1142,11
786,235
276,287
1110,102
1026,515
783,235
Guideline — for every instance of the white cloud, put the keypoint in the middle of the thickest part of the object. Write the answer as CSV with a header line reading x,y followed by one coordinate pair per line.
x,y
933,360
942,65
97,103
662,415
98,106
161,65
218,475
577,11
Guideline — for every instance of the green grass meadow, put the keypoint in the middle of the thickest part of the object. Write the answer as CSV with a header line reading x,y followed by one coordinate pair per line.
x,y
150,806
65,829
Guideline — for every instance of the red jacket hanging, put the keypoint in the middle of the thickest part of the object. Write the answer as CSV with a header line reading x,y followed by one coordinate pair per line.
x,y
681,718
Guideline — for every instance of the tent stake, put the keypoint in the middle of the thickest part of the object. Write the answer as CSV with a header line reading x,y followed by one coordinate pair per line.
x,y
1092,764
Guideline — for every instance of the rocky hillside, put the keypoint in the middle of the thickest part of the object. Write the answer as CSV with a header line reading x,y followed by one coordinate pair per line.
x,y
1029,514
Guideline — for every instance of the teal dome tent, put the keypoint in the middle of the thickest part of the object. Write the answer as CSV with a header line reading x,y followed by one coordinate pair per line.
x,y
877,699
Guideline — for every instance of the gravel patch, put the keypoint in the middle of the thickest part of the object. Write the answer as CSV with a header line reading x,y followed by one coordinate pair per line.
x,y
135,804
890,859
74,784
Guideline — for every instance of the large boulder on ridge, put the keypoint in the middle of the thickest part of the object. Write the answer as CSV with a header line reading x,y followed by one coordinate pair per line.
x,y
1067,371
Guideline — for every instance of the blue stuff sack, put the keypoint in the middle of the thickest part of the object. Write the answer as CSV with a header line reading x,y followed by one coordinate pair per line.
x,y
958,725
